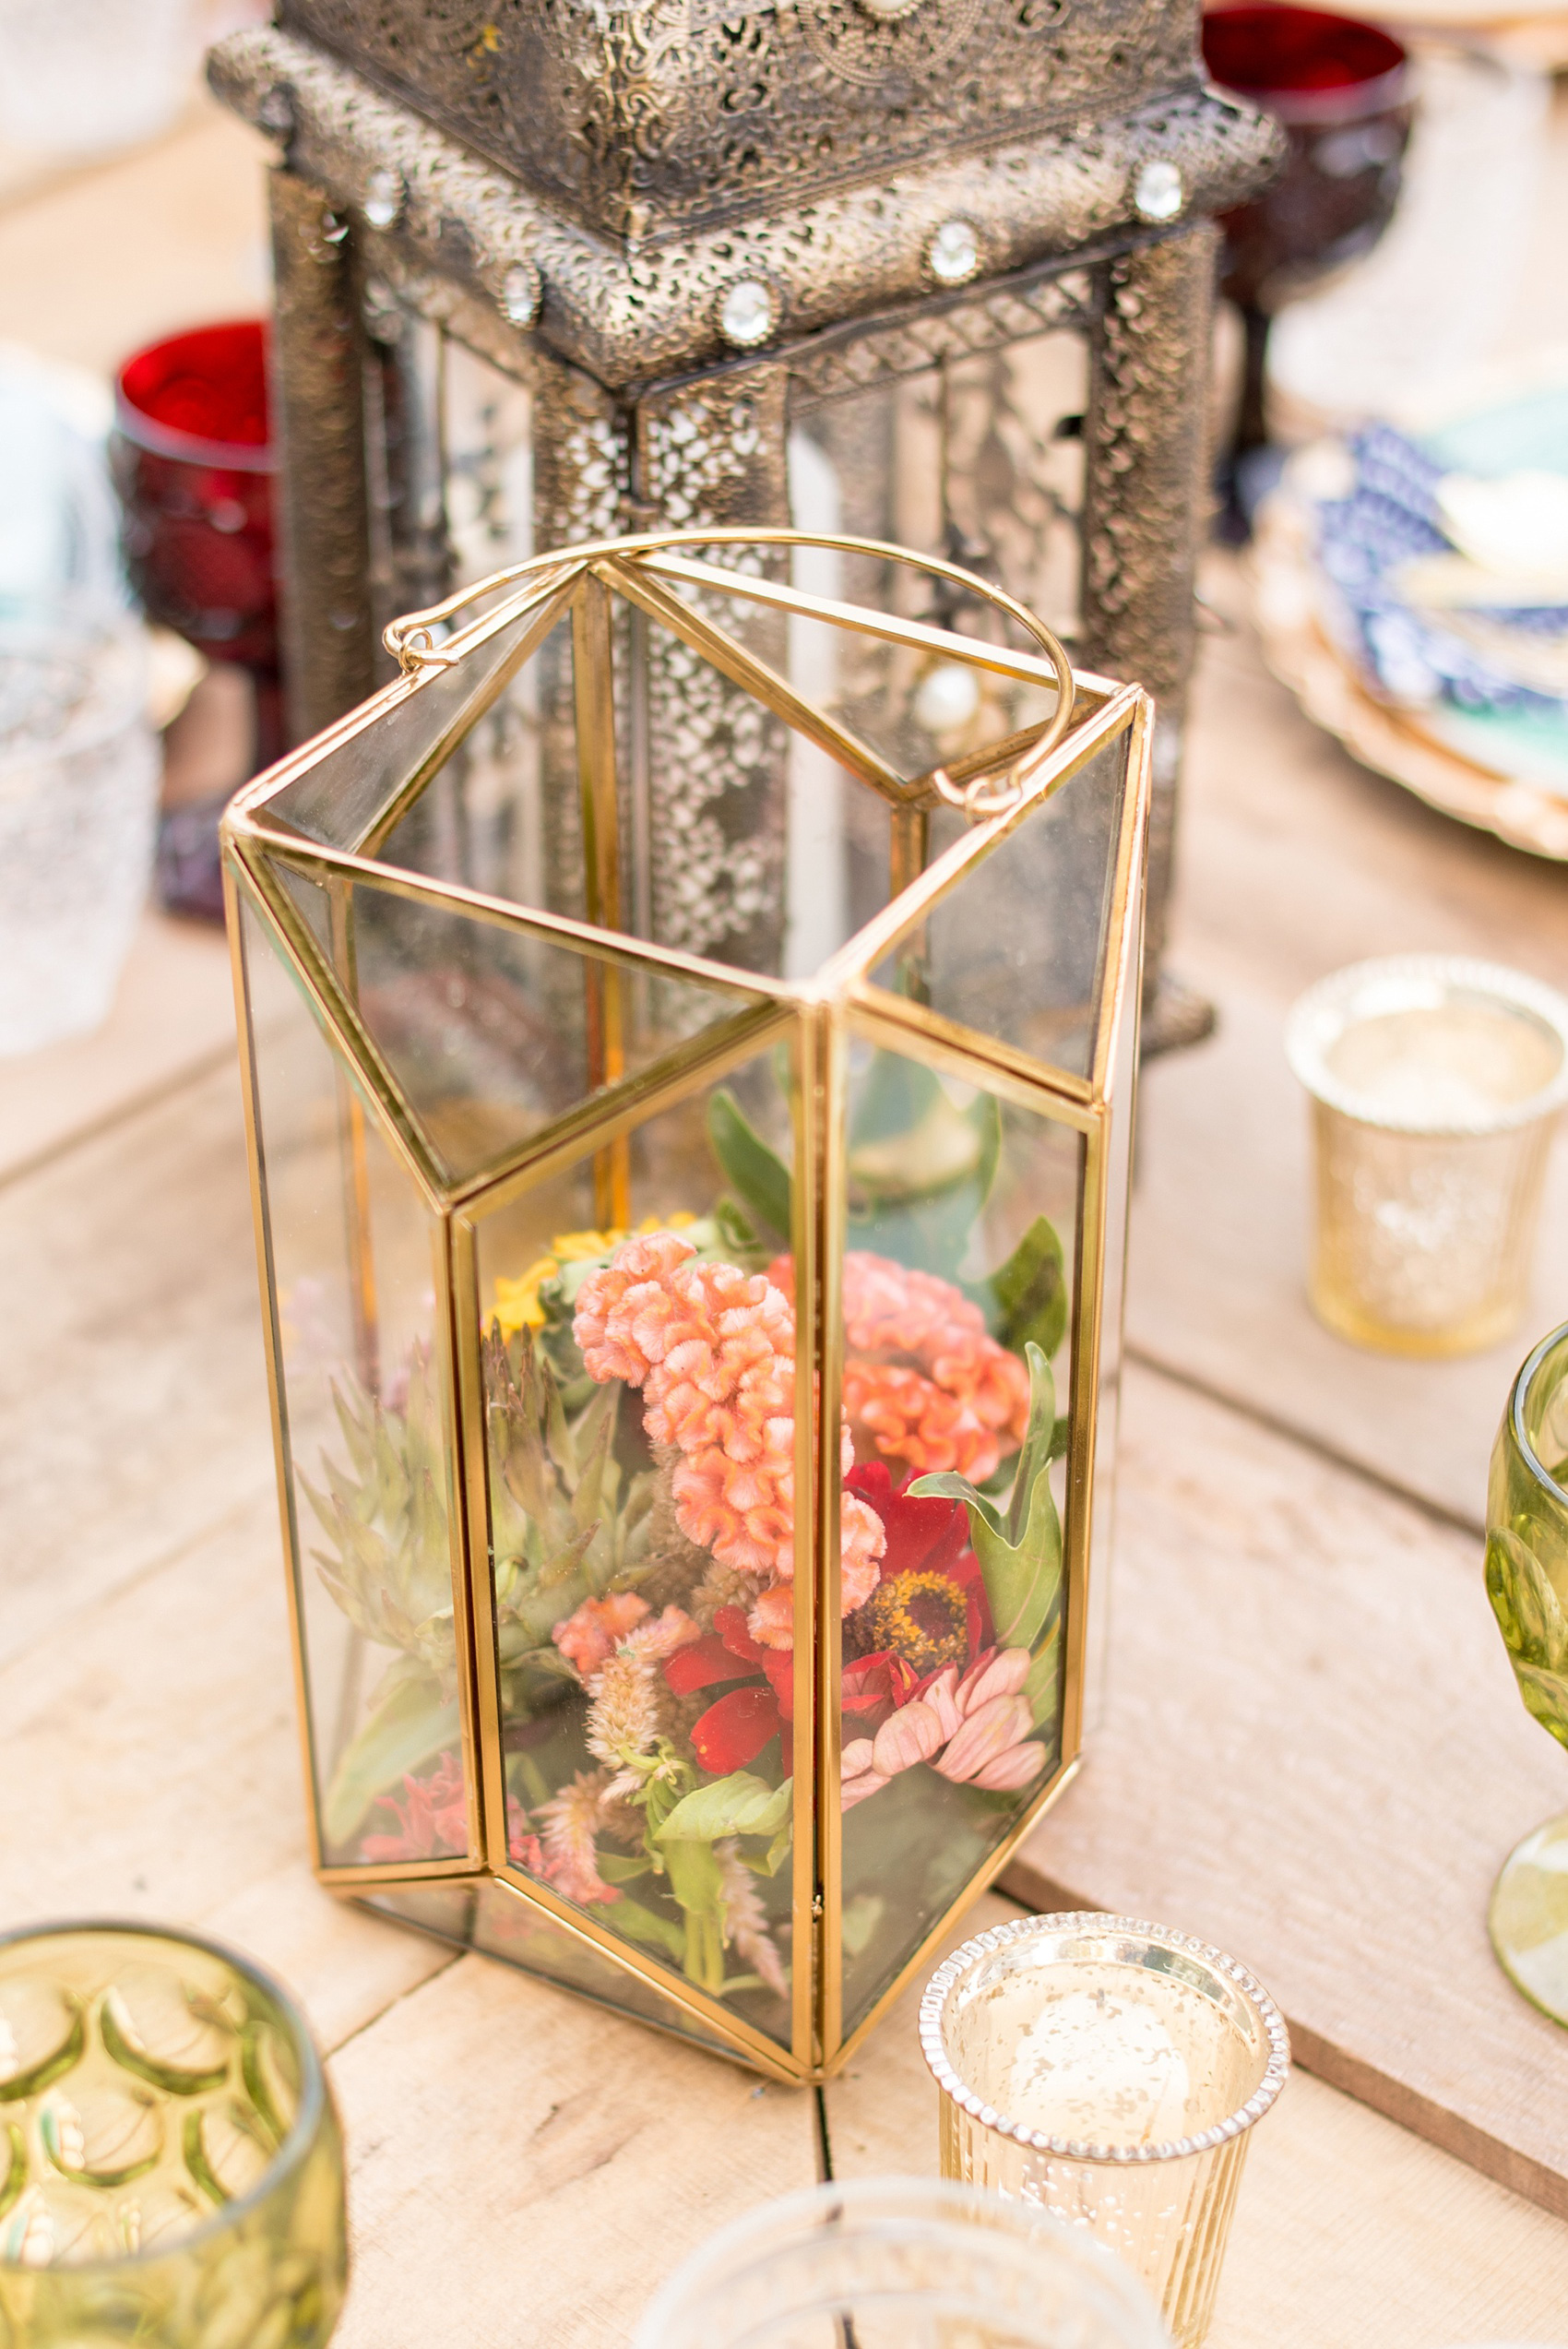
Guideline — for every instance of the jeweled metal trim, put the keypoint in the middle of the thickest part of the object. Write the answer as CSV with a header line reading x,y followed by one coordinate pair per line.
x,y
1169,2148
632,313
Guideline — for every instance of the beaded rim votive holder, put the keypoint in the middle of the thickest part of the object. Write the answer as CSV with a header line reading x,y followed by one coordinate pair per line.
x,y
1151,2028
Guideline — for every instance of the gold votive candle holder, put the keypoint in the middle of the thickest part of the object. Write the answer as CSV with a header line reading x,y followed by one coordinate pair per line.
x,y
899,2263
1435,1082
1109,2071
170,2165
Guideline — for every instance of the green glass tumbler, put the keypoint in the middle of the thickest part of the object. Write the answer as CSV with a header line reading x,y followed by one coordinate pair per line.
x,y
171,2164
1527,1580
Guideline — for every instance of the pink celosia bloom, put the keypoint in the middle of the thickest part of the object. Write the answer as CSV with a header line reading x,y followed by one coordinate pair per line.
x,y
744,1920
921,1377
974,1730
713,1349
590,1636
570,1822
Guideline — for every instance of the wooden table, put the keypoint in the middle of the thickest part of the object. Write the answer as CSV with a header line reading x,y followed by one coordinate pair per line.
x,y
1311,1750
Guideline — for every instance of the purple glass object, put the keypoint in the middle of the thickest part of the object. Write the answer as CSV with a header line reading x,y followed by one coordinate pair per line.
x,y
194,464
1341,90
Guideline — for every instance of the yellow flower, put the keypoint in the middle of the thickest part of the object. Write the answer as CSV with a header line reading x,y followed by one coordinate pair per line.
x,y
518,1302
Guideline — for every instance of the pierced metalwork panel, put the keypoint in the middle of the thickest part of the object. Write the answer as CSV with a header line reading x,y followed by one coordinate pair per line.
x,y
834,364
653,114
635,315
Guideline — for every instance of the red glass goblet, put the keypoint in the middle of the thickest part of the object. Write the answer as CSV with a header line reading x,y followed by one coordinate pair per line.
x,y
194,464
1341,90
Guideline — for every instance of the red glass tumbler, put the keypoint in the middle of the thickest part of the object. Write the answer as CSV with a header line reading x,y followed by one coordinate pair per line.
x,y
193,463
1341,90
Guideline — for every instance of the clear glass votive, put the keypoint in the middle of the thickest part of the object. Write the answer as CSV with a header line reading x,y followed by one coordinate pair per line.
x,y
898,2263
1109,2071
1435,1082
78,804
170,2166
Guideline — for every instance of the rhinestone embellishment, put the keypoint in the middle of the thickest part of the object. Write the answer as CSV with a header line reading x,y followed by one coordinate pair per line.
x,y
522,290
748,312
1158,191
952,255
383,197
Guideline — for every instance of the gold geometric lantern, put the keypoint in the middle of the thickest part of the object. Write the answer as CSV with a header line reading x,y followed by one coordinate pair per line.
x,y
693,1384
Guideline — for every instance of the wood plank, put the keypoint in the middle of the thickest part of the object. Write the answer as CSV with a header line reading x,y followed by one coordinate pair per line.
x,y
173,1019
525,2168
1295,861
132,1392
153,1766
1314,1756
1349,2229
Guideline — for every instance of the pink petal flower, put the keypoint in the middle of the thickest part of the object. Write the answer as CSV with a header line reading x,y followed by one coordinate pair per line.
x,y
1012,1769
990,1730
912,1735
999,1674
857,1777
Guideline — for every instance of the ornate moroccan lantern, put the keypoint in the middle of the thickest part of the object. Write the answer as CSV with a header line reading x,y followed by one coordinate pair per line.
x,y
938,271
694,1383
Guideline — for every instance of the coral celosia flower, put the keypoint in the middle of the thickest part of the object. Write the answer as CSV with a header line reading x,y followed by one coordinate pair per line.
x,y
590,1636
975,1729
922,1380
713,1349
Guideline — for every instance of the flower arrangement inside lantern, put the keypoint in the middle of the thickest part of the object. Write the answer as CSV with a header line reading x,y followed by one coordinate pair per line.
x,y
690,1375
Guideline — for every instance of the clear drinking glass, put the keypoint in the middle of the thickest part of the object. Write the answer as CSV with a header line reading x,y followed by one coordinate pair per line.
x,y
1435,1084
1109,2071
170,2166
898,2263
78,791
1527,1580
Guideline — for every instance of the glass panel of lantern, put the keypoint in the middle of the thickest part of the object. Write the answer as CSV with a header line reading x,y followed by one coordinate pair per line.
x,y
686,1377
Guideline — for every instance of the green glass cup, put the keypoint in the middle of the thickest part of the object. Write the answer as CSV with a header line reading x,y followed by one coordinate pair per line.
x,y
171,2164
1527,1580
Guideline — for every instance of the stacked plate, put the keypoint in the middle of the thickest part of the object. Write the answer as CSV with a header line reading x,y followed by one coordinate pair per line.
x,y
1413,593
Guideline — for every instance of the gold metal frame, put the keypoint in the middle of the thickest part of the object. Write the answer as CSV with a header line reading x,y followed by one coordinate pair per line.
x,y
998,789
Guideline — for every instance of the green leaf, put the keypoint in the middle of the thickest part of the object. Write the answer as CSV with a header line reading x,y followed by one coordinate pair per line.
x,y
757,1174
628,1916
1027,1297
623,1867
409,1723
1043,1689
921,1169
739,1805
1020,1563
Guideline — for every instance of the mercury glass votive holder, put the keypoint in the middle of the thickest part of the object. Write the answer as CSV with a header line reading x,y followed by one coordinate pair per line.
x,y
1435,1082
1111,2072
899,2263
171,2166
